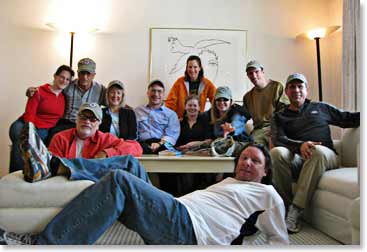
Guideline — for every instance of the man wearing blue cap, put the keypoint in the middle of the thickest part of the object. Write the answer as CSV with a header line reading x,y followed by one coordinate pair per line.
x,y
304,149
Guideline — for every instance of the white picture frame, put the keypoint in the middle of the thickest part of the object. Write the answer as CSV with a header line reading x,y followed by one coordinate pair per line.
x,y
223,54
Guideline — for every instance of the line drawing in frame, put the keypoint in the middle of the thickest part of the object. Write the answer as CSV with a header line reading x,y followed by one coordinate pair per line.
x,y
222,52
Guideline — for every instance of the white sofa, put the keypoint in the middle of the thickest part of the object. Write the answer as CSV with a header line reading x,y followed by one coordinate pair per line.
x,y
28,207
335,205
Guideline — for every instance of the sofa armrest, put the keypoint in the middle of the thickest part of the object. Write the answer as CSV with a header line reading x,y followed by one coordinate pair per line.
x,y
355,220
338,146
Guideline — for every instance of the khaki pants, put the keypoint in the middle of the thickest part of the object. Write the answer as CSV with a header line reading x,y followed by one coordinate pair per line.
x,y
261,135
289,167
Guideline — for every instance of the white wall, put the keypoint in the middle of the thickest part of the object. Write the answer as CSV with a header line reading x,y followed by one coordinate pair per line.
x,y
30,55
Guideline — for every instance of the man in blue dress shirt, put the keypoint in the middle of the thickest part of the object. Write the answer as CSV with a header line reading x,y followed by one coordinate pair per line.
x,y
157,124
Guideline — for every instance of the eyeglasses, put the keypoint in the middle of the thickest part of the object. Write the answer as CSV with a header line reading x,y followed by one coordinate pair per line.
x,y
90,118
222,100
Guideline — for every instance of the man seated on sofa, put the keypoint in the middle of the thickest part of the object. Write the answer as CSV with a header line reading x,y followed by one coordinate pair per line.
x,y
223,214
156,123
305,148
85,140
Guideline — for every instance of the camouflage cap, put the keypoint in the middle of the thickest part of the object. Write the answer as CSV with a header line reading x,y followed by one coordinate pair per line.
x,y
86,65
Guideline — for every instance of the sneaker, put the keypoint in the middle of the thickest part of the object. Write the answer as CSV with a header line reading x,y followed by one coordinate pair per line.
x,y
35,155
292,219
8,238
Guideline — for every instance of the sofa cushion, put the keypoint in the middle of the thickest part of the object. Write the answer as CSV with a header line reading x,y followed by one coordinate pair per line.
x,y
342,181
52,192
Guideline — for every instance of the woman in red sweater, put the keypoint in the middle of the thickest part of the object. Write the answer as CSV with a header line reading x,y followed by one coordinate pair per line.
x,y
43,109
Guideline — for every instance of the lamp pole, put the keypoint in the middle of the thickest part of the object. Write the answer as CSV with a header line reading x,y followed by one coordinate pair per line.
x,y
319,66
71,48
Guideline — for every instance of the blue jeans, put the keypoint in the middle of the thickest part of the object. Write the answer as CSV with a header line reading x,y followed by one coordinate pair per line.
x,y
122,194
15,130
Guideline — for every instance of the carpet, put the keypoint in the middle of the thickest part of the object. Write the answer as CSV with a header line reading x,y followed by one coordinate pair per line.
x,y
118,234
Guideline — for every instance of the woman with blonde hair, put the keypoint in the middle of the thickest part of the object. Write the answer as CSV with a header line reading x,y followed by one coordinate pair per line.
x,y
118,118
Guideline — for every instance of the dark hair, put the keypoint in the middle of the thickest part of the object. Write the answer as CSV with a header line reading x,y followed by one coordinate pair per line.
x,y
192,97
65,68
201,73
189,98
268,178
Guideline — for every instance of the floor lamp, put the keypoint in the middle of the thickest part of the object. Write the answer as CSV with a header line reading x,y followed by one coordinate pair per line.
x,y
71,49
72,34
317,34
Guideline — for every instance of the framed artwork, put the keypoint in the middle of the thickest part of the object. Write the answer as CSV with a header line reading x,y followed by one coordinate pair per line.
x,y
222,52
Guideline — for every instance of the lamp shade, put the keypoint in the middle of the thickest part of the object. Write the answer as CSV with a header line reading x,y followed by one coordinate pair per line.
x,y
320,32
75,29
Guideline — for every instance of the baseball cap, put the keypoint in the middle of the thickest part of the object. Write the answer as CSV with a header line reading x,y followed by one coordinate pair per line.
x,y
116,83
86,65
254,64
296,76
94,108
156,82
223,92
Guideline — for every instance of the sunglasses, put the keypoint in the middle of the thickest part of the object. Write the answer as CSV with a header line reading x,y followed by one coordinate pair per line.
x,y
90,118
222,100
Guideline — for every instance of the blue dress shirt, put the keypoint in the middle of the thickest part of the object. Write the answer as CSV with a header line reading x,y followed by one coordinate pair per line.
x,y
159,123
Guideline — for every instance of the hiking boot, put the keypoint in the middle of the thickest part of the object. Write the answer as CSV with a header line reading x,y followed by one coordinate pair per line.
x,y
223,147
9,238
35,155
292,219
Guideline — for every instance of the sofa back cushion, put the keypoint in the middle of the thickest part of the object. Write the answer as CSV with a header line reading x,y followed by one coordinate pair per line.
x,y
350,148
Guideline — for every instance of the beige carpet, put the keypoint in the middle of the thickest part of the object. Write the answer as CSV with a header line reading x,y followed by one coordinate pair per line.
x,y
118,234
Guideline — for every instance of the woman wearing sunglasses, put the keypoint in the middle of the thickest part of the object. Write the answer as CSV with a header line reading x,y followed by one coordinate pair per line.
x,y
227,117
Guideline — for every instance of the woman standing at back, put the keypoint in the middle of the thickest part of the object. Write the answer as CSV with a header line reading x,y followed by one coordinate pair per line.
x,y
193,83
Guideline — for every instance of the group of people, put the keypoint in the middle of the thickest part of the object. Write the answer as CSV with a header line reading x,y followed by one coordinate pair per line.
x,y
90,142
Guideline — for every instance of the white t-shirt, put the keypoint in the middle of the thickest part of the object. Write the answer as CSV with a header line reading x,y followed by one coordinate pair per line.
x,y
79,147
115,127
218,212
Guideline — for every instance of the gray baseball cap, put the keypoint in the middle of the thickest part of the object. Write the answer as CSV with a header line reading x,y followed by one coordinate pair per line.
x,y
254,64
94,108
156,82
86,65
116,83
296,76
223,92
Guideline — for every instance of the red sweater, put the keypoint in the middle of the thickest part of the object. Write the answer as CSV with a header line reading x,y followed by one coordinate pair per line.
x,y
63,144
44,108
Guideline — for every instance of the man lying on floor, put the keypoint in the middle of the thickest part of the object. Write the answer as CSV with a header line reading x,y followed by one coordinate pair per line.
x,y
229,212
